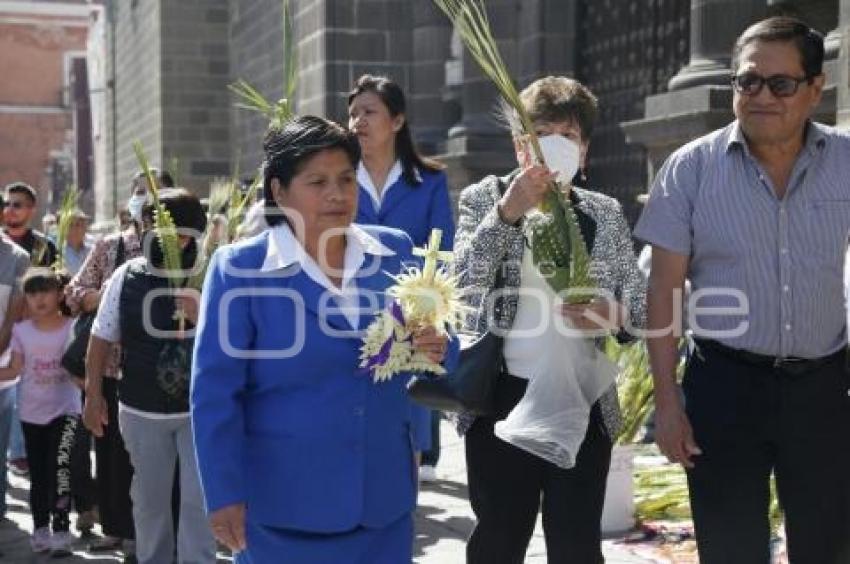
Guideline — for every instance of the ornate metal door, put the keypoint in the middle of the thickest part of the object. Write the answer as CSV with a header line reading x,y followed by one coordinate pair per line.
x,y
629,49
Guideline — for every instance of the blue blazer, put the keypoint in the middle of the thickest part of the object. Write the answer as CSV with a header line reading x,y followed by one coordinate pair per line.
x,y
413,209
306,440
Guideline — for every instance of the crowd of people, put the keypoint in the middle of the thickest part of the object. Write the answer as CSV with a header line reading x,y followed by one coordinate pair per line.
x,y
239,415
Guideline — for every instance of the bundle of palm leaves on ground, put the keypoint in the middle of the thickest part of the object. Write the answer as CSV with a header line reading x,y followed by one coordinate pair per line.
x,y
634,386
558,248
661,494
661,491
252,99
64,219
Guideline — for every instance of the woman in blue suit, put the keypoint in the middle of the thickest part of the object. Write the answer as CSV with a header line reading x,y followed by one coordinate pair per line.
x,y
302,457
402,189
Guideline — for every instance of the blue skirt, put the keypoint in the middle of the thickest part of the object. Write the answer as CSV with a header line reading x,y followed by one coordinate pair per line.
x,y
392,544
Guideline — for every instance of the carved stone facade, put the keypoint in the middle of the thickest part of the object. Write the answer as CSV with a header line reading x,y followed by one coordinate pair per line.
x,y
659,68
700,96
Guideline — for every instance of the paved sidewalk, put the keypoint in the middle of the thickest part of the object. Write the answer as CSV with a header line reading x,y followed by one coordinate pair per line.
x,y
444,518
443,521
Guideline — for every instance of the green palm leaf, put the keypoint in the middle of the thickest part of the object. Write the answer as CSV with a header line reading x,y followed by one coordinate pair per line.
x,y
557,243
249,98
166,231
64,217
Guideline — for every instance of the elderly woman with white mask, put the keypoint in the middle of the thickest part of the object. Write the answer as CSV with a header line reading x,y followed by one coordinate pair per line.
x,y
507,291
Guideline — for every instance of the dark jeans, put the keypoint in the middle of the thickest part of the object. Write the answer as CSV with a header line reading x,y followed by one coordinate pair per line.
x,y
49,453
431,456
751,420
114,472
506,483
85,490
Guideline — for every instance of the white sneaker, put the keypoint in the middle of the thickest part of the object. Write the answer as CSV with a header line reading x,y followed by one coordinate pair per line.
x,y
40,540
60,544
427,474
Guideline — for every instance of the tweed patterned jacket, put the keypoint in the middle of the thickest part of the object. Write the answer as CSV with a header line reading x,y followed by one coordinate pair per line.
x,y
484,244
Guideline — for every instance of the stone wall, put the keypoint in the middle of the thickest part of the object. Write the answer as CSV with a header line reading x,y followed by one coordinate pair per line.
x,y
195,99
175,59
256,55
137,89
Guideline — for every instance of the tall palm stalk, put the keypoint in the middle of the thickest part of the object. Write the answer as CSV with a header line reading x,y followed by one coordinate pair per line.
x,y
64,218
227,200
164,226
252,99
558,247
166,233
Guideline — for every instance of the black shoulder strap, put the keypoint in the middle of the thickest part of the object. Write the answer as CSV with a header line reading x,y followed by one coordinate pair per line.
x,y
120,253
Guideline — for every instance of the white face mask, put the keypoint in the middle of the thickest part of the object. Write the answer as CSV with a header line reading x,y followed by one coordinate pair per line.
x,y
561,156
135,205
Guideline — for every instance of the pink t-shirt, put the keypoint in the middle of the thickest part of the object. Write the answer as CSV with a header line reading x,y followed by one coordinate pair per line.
x,y
46,390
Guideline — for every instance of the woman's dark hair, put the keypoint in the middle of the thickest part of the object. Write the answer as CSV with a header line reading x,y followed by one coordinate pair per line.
x,y
392,96
187,213
561,99
163,178
288,147
185,209
41,279
809,42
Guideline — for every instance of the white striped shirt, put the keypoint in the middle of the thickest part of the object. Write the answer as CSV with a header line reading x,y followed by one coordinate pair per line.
x,y
713,202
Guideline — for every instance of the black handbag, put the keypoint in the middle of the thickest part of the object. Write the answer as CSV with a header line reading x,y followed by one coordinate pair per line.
x,y
74,358
471,386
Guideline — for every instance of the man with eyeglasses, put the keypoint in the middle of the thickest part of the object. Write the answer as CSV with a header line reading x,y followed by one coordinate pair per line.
x,y
20,200
756,215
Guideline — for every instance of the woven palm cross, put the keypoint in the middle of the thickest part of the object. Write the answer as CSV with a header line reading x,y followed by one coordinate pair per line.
x,y
432,254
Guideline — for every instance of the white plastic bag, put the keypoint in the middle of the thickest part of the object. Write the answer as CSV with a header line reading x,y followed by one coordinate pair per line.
x,y
550,421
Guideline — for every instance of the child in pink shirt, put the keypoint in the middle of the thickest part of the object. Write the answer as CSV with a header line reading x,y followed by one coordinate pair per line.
x,y
49,406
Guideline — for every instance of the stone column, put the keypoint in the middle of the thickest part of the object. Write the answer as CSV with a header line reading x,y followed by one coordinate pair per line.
x,y
700,96
843,71
430,114
715,24
477,144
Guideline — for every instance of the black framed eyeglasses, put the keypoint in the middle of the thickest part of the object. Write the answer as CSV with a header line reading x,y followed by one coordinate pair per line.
x,y
780,85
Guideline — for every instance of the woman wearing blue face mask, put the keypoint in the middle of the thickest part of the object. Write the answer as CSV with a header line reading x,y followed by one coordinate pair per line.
x,y
82,295
507,484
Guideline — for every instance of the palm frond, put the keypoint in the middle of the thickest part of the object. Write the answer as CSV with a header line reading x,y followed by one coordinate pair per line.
x,y
175,169
507,116
64,218
249,98
166,230
556,238
220,195
290,56
239,206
